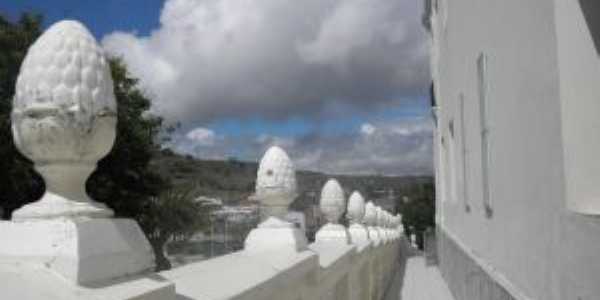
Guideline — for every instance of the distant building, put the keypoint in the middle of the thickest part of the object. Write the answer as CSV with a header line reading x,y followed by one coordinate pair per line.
x,y
516,99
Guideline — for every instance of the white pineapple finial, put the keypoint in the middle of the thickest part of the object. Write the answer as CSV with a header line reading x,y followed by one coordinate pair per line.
x,y
276,186
333,204
64,119
333,201
275,190
356,208
356,215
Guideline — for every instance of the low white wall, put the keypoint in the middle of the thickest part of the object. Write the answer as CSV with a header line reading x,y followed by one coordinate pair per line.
x,y
324,271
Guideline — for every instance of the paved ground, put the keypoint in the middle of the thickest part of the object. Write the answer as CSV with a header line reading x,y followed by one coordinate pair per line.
x,y
417,281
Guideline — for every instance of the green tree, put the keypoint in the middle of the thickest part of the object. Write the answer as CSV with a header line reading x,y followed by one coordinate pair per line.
x,y
419,213
123,179
174,214
19,183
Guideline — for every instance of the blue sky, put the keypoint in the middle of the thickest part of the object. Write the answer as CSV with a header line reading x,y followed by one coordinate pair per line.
x,y
240,75
100,16
418,108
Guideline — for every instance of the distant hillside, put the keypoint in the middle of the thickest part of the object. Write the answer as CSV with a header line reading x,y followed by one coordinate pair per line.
x,y
233,181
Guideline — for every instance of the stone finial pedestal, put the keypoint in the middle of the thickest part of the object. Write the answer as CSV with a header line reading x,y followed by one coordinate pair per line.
x,y
276,190
332,206
64,119
395,226
385,226
65,195
274,234
399,225
379,224
390,227
82,251
371,221
356,212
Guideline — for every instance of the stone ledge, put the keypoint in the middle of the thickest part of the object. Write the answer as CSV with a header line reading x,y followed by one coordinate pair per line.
x,y
243,276
33,282
81,251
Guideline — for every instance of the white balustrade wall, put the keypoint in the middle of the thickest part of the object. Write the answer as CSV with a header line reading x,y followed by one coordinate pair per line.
x,y
324,271
355,263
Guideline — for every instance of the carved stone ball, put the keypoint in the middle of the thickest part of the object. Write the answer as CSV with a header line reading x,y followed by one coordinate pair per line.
x,y
333,201
356,208
64,108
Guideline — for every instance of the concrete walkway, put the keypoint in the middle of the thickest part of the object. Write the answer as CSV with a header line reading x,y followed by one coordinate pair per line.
x,y
417,281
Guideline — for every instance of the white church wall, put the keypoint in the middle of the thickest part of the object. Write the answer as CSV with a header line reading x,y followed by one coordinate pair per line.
x,y
528,239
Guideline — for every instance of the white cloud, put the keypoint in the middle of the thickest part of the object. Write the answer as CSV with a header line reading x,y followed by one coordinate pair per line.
x,y
396,147
393,147
267,141
202,136
276,58
367,129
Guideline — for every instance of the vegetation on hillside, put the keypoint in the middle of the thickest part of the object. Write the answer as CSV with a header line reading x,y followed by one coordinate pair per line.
x,y
233,181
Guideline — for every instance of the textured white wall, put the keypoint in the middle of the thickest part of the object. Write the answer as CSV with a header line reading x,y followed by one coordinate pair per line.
x,y
579,65
578,31
531,240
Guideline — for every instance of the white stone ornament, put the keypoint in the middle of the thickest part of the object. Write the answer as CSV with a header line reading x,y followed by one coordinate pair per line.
x,y
371,221
370,214
380,217
388,222
377,216
399,225
379,223
276,186
356,213
382,224
393,226
356,208
275,190
333,201
332,204
396,226
64,119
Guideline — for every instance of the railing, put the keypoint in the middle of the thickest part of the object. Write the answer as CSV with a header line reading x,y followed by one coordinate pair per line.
x,y
326,270
350,263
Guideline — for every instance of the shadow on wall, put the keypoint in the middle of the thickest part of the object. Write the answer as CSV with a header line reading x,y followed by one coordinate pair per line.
x,y
591,12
